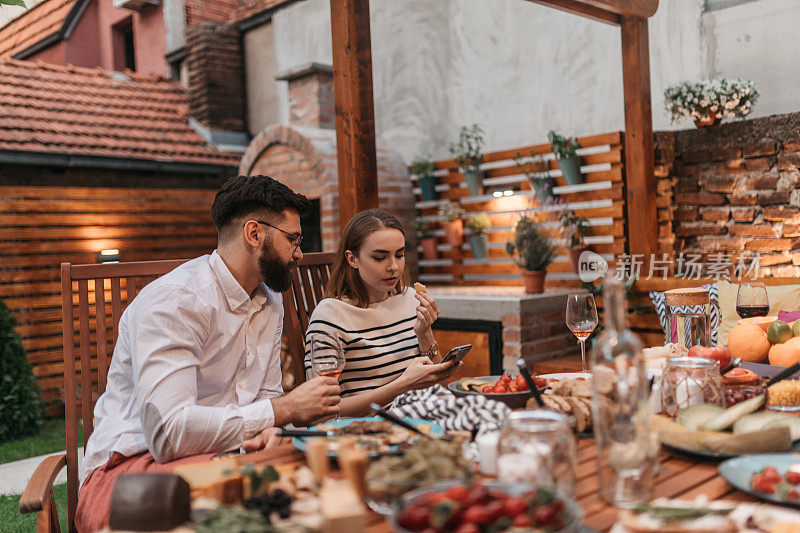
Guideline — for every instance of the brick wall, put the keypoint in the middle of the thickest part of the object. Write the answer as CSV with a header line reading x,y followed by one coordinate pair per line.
x,y
198,11
538,332
734,190
311,97
215,74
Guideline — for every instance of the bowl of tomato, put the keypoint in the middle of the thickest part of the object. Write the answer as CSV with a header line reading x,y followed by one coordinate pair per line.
x,y
511,390
496,506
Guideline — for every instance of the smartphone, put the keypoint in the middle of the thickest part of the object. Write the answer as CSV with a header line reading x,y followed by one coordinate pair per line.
x,y
458,353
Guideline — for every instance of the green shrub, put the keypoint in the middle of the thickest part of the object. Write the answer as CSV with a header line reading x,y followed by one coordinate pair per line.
x,y
21,402
531,245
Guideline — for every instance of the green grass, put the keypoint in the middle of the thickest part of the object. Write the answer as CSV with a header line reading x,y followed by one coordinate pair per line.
x,y
11,521
51,438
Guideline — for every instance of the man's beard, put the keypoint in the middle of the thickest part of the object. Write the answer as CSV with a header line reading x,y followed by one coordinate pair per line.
x,y
276,274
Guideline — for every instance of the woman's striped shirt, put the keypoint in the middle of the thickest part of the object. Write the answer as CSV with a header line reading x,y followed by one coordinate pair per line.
x,y
378,341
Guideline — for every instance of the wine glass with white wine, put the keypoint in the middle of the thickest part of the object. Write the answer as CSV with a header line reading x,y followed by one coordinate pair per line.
x,y
581,318
327,356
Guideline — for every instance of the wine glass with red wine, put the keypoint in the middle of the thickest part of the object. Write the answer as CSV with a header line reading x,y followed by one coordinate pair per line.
x,y
752,300
327,356
581,318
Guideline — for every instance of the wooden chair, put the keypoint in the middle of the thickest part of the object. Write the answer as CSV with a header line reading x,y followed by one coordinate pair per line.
x,y
308,284
115,285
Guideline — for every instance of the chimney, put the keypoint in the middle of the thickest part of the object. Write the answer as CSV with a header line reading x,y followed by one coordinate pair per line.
x,y
310,95
216,77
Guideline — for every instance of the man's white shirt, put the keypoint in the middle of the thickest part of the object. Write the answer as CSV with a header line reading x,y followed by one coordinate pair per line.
x,y
195,363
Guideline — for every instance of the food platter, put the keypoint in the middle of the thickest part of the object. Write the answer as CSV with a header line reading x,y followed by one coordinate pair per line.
x,y
389,442
514,400
740,471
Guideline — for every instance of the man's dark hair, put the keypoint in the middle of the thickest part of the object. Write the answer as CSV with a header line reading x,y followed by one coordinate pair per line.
x,y
247,195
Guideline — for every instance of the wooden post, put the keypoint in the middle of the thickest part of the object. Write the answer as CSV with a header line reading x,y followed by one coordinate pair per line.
x,y
640,198
355,111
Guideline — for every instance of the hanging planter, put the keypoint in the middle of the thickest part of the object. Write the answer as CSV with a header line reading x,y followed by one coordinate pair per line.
x,y
478,224
537,171
474,179
707,102
422,167
568,161
453,225
467,155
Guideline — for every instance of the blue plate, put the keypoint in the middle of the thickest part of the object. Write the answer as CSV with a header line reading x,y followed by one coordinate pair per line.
x,y
435,430
739,470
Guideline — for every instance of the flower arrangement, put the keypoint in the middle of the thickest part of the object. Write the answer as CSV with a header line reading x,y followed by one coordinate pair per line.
x,y
421,166
467,151
573,228
450,211
707,101
479,223
531,245
562,147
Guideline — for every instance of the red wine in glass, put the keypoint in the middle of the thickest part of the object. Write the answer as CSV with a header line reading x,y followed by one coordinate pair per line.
x,y
747,311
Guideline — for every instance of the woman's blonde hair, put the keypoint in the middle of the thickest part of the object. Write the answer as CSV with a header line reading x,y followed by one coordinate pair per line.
x,y
345,281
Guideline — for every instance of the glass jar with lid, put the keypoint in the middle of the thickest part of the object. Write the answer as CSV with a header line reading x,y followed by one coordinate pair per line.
x,y
538,447
689,381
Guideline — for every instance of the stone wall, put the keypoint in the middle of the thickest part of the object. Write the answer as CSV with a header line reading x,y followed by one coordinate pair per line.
x,y
734,190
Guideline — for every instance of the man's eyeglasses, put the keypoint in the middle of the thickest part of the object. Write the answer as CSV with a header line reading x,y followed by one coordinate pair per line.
x,y
296,240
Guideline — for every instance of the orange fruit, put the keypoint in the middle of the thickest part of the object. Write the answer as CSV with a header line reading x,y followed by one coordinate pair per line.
x,y
785,354
761,321
749,342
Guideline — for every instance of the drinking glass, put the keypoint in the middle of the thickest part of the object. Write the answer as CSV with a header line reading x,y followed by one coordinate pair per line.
x,y
538,447
581,318
752,300
327,356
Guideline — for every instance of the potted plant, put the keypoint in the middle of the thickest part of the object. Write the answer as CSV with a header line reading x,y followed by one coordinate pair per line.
x,y
538,174
708,101
422,168
478,224
427,239
534,253
568,161
453,225
573,230
467,155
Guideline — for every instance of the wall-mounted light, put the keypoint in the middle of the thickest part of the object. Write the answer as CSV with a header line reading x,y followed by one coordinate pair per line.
x,y
108,256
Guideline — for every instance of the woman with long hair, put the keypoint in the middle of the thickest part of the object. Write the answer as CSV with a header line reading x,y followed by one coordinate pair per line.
x,y
383,325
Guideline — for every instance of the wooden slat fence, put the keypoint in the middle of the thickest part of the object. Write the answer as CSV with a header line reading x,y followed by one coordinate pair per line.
x,y
600,199
45,226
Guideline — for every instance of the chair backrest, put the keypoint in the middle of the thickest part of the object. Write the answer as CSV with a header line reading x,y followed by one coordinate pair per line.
x,y
95,296
308,284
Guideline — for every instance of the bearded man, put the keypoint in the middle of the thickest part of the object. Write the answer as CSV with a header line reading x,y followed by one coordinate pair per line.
x,y
196,367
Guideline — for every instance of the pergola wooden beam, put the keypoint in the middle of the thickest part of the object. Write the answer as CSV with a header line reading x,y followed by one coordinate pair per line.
x,y
355,113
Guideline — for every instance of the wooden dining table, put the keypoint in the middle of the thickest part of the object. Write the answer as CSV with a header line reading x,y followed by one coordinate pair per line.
x,y
680,476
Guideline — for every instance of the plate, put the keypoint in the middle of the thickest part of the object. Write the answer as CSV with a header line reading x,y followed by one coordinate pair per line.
x,y
701,453
740,515
515,400
435,429
566,375
739,470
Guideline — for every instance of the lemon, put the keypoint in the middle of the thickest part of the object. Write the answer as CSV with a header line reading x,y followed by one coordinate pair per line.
x,y
796,328
779,332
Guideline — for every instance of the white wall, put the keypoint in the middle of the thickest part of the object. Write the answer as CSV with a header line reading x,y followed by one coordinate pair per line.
x,y
9,13
759,41
519,68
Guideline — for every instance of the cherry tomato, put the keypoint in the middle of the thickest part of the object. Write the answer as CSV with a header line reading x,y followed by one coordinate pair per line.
x,y
500,388
414,518
521,521
477,494
512,387
488,389
434,498
793,477
521,383
543,515
515,506
495,509
468,527
793,495
771,473
540,383
505,378
762,484
458,493
476,514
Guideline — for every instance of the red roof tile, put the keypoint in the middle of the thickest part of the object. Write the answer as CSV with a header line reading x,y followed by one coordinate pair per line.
x,y
81,111
30,27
